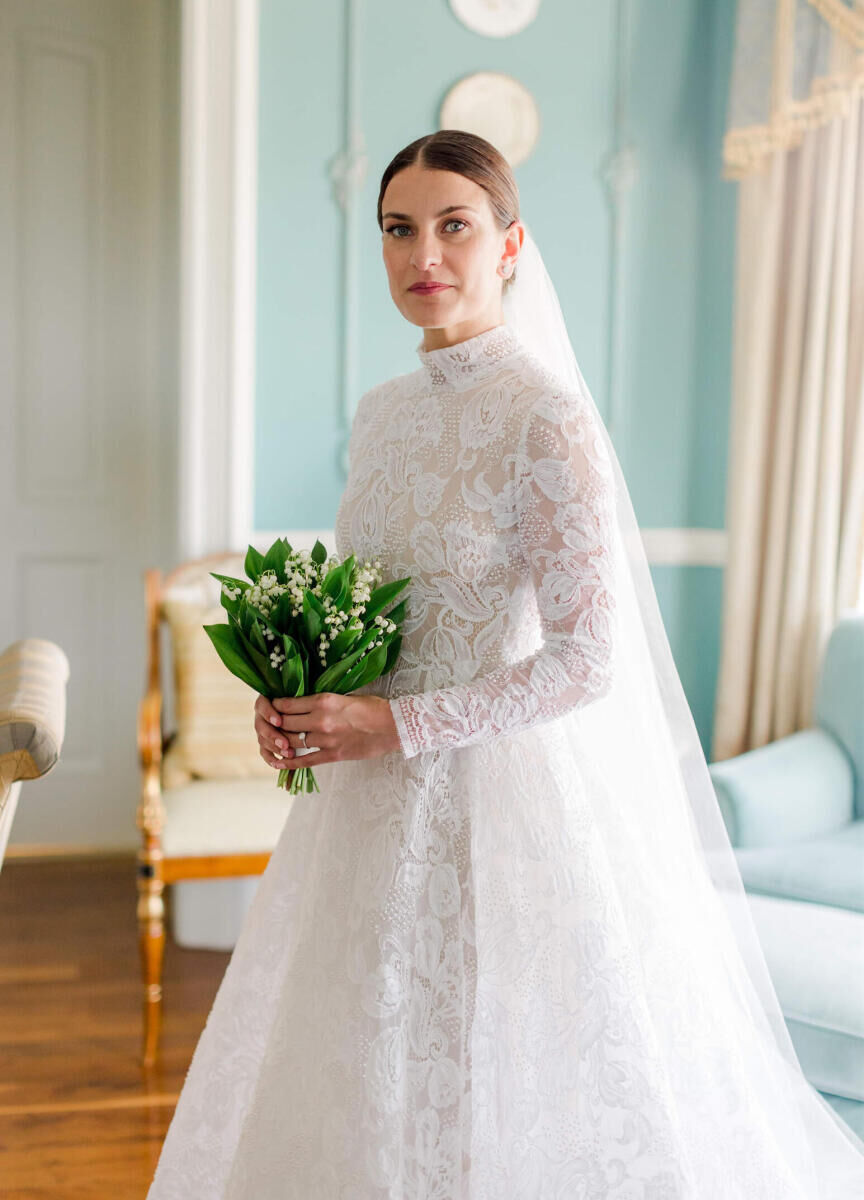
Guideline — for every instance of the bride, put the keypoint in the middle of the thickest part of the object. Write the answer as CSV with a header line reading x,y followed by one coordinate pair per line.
x,y
505,954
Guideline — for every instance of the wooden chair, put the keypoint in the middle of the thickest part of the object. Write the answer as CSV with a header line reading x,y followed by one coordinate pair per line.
x,y
186,830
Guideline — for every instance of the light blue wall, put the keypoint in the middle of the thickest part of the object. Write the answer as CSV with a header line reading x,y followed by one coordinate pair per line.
x,y
677,279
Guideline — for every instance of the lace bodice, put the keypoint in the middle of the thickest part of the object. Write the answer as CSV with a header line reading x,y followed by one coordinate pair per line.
x,y
487,482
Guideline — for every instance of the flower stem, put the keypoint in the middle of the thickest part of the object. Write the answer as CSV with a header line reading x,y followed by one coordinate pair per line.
x,y
303,779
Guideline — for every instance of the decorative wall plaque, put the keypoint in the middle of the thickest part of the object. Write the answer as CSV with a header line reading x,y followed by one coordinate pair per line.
x,y
495,18
496,107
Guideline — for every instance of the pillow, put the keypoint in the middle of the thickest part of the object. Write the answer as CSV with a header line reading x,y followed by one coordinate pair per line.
x,y
33,676
214,709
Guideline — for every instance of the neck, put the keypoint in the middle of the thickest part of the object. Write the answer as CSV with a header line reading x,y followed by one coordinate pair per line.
x,y
450,335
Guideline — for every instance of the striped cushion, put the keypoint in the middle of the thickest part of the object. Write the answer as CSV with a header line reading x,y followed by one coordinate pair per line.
x,y
214,709
33,676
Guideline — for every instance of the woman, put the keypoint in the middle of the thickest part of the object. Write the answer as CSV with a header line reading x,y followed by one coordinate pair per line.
x,y
505,953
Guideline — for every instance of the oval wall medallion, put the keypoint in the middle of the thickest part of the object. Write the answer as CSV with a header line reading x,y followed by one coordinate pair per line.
x,y
495,18
496,107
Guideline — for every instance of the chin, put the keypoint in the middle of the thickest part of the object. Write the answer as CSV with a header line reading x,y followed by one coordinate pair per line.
x,y
431,316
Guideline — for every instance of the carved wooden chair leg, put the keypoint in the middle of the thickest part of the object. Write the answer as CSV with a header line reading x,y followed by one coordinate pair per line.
x,y
151,926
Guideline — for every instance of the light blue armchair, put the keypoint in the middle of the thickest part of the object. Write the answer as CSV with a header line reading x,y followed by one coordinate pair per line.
x,y
794,810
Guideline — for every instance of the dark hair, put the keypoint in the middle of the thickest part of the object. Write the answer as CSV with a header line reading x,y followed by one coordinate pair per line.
x,y
466,154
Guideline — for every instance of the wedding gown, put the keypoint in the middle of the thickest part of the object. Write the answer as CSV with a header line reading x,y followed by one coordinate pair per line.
x,y
459,977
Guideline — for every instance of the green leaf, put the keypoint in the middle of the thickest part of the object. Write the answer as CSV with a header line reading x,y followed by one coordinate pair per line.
x,y
345,597
256,637
274,560
382,596
267,670
343,641
327,680
292,672
289,645
393,648
397,613
363,672
231,604
248,615
253,564
318,553
314,613
242,584
225,639
334,673
337,582
282,612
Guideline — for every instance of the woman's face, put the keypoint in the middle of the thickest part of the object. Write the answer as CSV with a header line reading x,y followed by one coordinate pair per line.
x,y
438,227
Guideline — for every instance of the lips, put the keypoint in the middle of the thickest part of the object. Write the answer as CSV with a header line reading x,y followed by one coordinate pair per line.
x,y
428,288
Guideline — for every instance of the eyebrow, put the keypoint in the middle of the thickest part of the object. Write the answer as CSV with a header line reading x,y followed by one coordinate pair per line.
x,y
443,212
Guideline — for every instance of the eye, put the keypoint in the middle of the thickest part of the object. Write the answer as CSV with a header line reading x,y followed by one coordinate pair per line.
x,y
453,221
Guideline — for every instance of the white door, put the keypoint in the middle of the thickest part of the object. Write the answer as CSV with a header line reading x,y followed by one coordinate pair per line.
x,y
88,397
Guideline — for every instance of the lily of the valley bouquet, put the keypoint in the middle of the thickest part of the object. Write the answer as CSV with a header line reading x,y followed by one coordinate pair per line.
x,y
305,622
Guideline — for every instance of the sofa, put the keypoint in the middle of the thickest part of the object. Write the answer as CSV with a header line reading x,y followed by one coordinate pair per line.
x,y
794,811
33,677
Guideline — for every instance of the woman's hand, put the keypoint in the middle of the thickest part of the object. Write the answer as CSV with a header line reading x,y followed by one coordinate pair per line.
x,y
342,727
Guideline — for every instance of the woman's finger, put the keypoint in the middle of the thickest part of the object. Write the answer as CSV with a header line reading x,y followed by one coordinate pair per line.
x,y
275,740
267,712
272,760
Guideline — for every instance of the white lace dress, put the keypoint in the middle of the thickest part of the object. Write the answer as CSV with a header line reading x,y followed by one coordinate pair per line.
x,y
438,992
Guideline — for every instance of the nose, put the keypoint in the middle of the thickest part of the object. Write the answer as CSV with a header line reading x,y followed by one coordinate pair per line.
x,y
426,252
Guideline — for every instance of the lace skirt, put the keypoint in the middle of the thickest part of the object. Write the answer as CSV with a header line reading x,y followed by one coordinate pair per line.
x,y
461,977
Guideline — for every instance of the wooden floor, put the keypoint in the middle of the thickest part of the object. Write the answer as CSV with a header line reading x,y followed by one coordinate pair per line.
x,y
79,1117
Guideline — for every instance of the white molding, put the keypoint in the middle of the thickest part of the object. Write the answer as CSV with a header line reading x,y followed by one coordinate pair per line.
x,y
619,172
663,547
245,267
218,202
685,547
347,172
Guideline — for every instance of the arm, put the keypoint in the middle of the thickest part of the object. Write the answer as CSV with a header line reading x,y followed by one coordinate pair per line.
x,y
565,513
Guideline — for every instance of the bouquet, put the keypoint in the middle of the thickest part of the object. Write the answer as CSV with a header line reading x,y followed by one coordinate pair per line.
x,y
304,623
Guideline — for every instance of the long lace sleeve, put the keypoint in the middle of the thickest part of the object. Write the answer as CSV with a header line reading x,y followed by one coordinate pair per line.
x,y
564,512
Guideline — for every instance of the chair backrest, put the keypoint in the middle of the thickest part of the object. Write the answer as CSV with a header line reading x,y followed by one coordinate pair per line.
x,y
192,581
214,737
839,702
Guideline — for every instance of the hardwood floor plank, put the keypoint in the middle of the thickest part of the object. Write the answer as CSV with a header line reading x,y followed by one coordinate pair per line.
x,y
81,1119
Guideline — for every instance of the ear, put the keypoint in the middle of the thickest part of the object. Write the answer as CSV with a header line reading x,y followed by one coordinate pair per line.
x,y
512,245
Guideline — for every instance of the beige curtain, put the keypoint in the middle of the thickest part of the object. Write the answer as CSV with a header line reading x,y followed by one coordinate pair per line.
x,y
795,493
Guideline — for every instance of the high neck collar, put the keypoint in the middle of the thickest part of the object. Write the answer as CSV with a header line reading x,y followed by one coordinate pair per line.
x,y
466,363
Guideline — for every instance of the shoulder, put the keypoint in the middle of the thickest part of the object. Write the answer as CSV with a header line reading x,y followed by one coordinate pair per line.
x,y
545,402
380,394
368,406
560,420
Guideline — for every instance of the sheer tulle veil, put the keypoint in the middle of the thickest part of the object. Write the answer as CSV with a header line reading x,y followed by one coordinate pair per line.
x,y
667,833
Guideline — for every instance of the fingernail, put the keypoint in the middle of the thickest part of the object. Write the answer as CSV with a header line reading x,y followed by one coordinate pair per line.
x,y
275,720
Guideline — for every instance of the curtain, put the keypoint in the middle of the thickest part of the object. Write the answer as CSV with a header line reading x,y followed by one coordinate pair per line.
x,y
795,492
